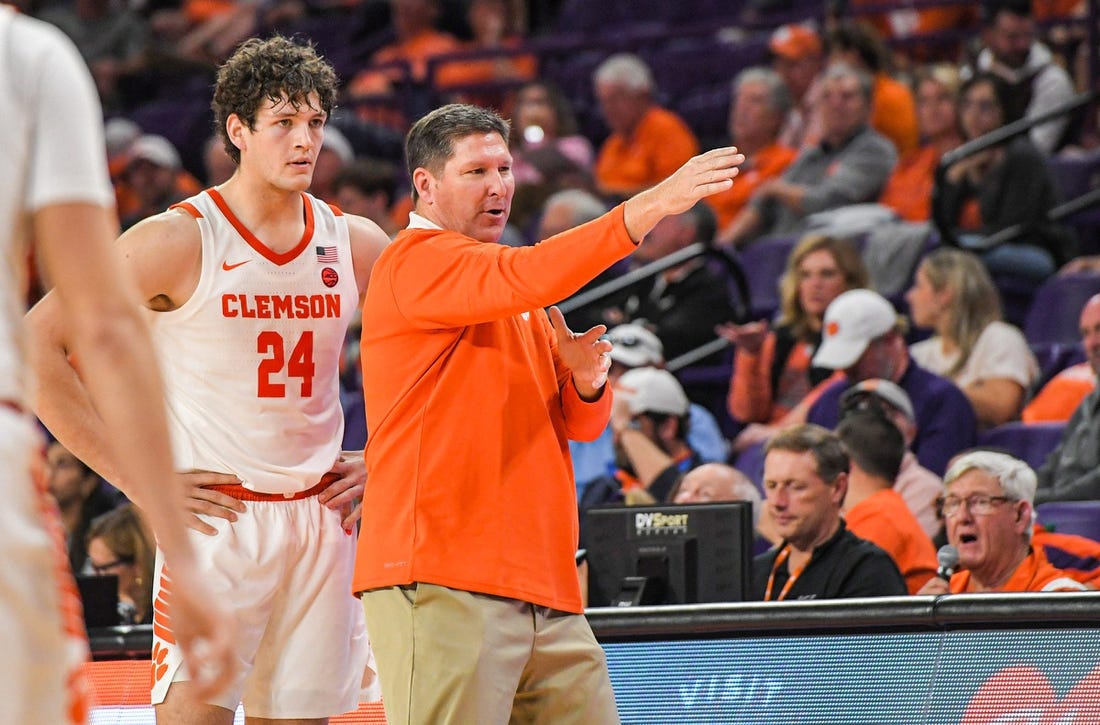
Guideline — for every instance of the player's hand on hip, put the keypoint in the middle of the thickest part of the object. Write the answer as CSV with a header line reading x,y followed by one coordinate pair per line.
x,y
206,501
204,630
586,355
346,492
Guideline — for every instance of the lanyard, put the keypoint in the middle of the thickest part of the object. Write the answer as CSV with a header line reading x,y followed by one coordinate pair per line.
x,y
780,559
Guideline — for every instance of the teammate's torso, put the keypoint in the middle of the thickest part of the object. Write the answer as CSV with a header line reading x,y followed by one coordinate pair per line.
x,y
251,360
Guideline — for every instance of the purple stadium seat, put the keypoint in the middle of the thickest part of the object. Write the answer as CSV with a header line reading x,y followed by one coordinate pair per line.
x,y
1072,517
764,261
1056,307
751,463
1030,443
1053,358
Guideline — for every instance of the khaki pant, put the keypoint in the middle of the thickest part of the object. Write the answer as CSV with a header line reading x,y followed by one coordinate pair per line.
x,y
451,656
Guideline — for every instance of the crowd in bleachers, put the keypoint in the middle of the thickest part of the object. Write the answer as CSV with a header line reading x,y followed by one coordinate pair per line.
x,y
844,124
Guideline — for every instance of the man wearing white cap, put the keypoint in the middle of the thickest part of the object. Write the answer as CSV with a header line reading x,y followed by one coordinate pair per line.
x,y
634,347
863,336
649,423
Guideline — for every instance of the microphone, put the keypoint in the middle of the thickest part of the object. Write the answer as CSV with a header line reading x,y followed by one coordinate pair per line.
x,y
948,558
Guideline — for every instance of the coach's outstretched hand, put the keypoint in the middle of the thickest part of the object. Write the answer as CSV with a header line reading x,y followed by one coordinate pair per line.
x,y
699,177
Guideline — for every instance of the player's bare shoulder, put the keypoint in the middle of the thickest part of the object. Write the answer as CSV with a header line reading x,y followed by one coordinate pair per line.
x,y
367,242
163,255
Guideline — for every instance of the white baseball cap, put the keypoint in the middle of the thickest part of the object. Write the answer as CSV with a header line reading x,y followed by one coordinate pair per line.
x,y
651,390
635,346
852,321
156,150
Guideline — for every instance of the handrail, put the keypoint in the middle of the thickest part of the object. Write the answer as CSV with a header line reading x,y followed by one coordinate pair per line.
x,y
652,269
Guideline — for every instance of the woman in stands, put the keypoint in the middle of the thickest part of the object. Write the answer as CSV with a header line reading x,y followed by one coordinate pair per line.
x,y
1005,185
120,544
909,188
772,376
988,359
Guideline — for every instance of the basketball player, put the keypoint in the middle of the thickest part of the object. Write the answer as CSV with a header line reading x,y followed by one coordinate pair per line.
x,y
55,191
249,287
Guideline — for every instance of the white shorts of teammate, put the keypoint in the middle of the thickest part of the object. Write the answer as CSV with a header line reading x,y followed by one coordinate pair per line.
x,y
41,627
283,568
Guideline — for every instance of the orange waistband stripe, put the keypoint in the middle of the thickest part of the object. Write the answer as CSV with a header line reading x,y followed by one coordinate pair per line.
x,y
241,493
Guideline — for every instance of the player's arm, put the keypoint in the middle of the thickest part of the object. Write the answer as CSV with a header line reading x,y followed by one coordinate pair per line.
x,y
345,493
162,258
98,311
65,326
367,242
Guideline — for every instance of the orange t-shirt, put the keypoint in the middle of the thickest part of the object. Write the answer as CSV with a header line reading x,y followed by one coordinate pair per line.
x,y
469,407
660,144
894,113
1058,399
1034,574
766,164
885,519
909,189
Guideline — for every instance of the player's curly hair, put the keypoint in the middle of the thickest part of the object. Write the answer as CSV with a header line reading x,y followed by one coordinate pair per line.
x,y
269,70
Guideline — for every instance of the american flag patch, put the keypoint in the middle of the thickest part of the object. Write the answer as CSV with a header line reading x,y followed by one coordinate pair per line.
x,y
326,254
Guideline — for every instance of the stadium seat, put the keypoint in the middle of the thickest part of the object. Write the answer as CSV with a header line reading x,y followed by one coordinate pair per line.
x,y
1071,517
764,261
1053,314
751,463
1053,358
1030,443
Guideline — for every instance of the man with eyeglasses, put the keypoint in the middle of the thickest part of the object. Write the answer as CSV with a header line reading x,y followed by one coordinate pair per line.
x,y
988,508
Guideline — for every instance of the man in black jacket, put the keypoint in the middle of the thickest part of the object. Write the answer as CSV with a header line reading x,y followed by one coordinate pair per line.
x,y
805,481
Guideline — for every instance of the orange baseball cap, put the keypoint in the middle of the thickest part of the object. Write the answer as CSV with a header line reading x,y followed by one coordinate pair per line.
x,y
795,41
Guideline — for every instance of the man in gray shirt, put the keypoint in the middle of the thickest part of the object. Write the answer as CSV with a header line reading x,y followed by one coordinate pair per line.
x,y
849,166
1072,471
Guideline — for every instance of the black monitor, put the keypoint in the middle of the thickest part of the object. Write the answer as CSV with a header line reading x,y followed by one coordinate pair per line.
x,y
669,554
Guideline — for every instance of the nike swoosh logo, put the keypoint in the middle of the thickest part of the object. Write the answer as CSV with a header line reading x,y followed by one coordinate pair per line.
x,y
227,266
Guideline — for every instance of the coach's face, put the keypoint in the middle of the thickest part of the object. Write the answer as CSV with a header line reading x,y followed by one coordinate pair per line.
x,y
472,194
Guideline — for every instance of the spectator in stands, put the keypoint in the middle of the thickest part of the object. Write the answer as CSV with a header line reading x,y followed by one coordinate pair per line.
x,y
1035,82
909,189
495,28
893,113
649,424
805,482
918,486
849,166
865,338
873,508
405,60
548,151
637,347
1059,398
772,372
1005,185
989,359
154,180
81,496
905,20
759,103
715,482
1072,471
988,505
367,187
647,142
546,145
798,57
684,304
336,153
120,544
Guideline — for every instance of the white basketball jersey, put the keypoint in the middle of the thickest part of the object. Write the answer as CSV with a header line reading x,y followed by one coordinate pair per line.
x,y
251,360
